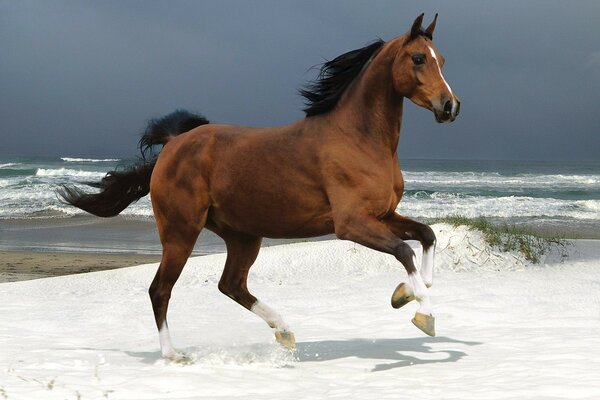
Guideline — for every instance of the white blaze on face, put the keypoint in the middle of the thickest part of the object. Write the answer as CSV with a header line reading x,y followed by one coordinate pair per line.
x,y
439,68
442,76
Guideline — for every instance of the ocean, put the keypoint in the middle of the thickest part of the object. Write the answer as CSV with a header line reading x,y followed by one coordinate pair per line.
x,y
553,196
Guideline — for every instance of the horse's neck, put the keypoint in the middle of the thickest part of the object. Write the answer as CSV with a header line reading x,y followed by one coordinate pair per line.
x,y
371,107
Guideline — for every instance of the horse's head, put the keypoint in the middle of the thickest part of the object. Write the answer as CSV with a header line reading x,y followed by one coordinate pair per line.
x,y
417,73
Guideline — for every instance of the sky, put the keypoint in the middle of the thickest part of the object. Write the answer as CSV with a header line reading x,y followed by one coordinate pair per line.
x,y
81,78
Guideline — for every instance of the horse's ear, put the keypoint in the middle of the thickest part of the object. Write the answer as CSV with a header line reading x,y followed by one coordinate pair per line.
x,y
431,28
416,29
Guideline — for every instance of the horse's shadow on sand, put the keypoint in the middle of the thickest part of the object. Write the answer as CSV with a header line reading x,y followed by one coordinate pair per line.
x,y
397,352
394,350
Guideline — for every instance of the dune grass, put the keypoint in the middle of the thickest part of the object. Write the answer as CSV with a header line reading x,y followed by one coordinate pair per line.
x,y
532,245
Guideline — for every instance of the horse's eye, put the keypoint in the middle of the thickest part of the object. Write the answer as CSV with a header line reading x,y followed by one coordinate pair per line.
x,y
418,59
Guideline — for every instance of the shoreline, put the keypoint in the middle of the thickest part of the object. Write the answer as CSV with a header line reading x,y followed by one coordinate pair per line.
x,y
18,265
27,264
40,248
24,265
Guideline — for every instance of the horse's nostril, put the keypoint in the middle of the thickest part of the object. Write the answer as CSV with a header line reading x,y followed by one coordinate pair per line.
x,y
447,106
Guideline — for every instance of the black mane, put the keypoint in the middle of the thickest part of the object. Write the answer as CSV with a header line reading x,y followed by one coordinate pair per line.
x,y
334,78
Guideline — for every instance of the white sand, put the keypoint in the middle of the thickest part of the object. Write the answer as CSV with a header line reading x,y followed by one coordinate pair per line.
x,y
506,329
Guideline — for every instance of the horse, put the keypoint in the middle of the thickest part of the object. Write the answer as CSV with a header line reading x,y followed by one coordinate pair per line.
x,y
334,171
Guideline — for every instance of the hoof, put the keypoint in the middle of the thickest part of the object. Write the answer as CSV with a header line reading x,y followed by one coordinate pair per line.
x,y
424,322
286,339
401,296
178,358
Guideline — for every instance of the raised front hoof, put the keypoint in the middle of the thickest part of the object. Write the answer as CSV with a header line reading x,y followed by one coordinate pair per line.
x,y
286,339
424,322
402,295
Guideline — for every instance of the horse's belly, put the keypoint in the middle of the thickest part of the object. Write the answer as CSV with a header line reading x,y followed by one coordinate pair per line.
x,y
273,214
273,225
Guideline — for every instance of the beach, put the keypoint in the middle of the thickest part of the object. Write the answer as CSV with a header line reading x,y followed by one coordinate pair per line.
x,y
40,248
26,265
506,328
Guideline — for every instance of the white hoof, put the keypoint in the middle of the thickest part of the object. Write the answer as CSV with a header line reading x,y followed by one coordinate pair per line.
x,y
178,357
286,339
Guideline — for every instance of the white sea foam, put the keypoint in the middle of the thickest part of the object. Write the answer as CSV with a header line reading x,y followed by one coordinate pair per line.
x,y
430,194
444,204
21,199
6,165
68,172
479,179
91,160
40,200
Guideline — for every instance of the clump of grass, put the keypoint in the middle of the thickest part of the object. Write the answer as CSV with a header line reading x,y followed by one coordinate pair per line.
x,y
532,245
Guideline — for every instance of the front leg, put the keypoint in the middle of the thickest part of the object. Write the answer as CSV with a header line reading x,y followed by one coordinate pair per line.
x,y
375,234
407,229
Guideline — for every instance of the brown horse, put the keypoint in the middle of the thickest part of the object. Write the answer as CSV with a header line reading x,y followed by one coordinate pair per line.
x,y
335,171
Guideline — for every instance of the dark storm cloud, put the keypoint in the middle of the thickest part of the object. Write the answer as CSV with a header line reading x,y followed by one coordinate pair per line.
x,y
81,78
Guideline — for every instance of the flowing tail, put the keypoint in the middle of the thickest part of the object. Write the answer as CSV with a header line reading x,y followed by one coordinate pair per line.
x,y
118,189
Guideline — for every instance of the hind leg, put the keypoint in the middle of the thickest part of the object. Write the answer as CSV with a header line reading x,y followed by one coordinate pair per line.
x,y
242,251
178,235
172,263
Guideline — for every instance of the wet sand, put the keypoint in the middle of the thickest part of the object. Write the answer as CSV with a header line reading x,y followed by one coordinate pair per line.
x,y
26,265
39,248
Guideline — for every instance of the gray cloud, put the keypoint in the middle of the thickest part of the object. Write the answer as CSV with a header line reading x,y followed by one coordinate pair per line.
x,y
81,78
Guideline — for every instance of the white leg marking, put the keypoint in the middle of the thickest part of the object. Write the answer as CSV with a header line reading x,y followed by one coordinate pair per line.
x,y
421,293
270,316
427,265
166,348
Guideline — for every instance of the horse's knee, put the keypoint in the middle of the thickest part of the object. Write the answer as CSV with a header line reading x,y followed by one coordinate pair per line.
x,y
427,236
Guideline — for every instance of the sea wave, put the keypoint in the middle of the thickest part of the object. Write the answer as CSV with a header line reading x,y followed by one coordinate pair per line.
x,y
480,179
28,190
10,164
68,172
41,201
9,173
444,205
90,160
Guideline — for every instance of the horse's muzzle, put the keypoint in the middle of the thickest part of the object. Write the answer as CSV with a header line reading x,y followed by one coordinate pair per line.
x,y
448,111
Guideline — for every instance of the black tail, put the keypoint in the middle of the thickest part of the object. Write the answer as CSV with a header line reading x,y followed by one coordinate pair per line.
x,y
121,188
